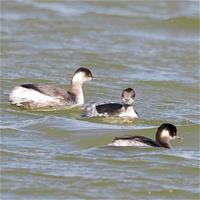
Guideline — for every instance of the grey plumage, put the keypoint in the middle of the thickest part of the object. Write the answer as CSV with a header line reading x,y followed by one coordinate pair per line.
x,y
52,91
47,96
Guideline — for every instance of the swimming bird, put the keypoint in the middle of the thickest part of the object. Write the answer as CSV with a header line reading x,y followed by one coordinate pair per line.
x,y
46,96
124,109
165,133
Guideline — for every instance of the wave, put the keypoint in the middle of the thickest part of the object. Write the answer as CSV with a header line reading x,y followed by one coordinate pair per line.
x,y
179,23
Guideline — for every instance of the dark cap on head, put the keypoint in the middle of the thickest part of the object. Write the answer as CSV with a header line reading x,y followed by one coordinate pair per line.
x,y
129,90
170,127
85,70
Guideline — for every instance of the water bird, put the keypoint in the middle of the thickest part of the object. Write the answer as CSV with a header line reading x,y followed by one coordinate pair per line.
x,y
165,133
46,96
124,109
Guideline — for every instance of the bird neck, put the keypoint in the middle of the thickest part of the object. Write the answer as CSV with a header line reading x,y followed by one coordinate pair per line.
x,y
129,110
76,89
163,142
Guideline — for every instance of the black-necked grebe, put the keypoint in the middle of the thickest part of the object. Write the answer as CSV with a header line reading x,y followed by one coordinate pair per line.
x,y
42,96
164,134
124,109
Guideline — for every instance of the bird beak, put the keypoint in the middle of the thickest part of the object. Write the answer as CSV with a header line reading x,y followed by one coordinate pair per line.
x,y
177,138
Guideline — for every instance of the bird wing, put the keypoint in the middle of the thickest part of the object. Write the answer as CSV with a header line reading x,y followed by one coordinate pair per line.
x,y
50,90
109,108
141,139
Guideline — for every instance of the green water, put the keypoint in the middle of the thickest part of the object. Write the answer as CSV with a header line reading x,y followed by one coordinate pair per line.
x,y
152,46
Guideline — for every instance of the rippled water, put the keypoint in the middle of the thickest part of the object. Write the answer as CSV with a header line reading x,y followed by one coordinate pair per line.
x,y
152,46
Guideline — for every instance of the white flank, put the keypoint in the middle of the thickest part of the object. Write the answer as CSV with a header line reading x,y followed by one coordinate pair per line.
x,y
20,95
126,143
130,112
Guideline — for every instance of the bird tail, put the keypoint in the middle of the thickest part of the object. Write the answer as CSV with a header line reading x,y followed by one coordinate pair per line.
x,y
89,110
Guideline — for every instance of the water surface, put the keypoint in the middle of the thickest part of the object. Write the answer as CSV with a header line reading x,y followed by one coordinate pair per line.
x,y
152,46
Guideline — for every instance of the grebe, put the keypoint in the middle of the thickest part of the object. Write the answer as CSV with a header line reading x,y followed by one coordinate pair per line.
x,y
165,133
46,96
124,109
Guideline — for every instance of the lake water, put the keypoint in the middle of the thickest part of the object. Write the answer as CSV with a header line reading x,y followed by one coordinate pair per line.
x,y
152,46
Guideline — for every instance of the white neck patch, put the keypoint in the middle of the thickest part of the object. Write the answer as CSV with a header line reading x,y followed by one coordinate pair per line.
x,y
165,134
79,77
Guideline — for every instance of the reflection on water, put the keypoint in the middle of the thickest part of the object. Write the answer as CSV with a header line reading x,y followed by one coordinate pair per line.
x,y
151,46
